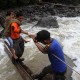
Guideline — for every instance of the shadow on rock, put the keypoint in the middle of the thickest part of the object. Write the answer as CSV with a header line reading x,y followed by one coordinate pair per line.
x,y
48,22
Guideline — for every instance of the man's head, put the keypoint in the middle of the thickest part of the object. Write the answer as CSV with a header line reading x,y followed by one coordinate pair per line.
x,y
43,36
10,13
19,16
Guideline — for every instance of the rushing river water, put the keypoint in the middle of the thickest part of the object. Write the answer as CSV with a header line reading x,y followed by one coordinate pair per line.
x,y
68,34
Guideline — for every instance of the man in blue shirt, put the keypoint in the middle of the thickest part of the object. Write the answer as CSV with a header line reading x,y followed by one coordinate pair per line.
x,y
55,54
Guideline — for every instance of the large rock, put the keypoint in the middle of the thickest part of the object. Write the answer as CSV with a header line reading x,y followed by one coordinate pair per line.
x,y
48,22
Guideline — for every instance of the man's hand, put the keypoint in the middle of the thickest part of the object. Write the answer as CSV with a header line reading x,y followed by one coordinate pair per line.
x,y
31,36
46,47
26,41
15,57
24,32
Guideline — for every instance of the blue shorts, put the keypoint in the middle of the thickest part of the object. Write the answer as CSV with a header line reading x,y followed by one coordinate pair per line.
x,y
10,41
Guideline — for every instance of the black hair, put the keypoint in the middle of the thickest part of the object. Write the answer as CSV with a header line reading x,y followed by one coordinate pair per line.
x,y
8,12
43,35
19,13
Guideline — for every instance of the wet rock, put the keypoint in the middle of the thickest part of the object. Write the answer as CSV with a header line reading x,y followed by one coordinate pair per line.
x,y
48,22
71,14
47,9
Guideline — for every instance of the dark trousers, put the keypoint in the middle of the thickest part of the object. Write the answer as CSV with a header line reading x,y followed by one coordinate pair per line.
x,y
19,46
56,75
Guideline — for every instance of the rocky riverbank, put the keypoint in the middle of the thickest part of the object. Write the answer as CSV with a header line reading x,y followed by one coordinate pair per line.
x,y
35,12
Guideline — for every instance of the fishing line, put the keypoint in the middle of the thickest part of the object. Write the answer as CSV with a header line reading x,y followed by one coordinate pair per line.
x,y
65,63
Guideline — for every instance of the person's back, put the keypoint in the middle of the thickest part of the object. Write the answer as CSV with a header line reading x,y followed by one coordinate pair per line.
x,y
55,52
7,28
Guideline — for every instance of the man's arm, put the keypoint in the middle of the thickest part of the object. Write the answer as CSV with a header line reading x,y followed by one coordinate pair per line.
x,y
24,32
39,46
